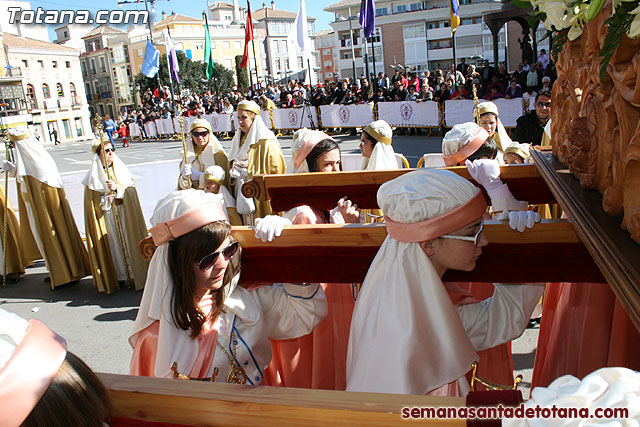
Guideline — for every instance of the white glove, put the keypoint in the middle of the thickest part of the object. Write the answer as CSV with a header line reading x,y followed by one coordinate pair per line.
x,y
8,166
518,220
195,173
487,173
270,227
186,171
239,170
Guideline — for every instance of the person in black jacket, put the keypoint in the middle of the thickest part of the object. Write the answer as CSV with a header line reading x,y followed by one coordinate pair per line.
x,y
530,127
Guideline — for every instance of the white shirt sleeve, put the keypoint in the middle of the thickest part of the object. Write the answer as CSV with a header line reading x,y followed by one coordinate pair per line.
x,y
501,318
291,311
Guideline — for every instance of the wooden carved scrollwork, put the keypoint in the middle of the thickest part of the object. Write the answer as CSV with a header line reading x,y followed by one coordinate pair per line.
x,y
596,124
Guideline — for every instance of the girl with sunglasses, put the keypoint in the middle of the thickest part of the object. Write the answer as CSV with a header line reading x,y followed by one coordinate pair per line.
x,y
194,321
203,150
113,253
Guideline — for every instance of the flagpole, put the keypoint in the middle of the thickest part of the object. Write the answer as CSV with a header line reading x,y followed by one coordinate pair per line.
x,y
373,59
255,58
173,104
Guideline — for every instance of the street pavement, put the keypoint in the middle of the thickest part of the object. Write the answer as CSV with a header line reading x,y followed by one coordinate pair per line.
x,y
96,326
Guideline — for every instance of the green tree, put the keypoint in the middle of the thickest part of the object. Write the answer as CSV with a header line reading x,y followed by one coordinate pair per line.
x,y
191,75
243,76
222,79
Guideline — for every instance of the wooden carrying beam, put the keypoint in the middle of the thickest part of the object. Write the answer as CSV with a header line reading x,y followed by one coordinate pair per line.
x,y
332,253
322,190
221,404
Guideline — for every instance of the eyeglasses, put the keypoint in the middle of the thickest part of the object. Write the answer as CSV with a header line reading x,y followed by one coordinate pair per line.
x,y
203,133
208,260
109,150
543,104
473,238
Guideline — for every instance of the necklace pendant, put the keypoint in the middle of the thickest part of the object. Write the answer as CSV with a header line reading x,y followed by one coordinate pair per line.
x,y
237,375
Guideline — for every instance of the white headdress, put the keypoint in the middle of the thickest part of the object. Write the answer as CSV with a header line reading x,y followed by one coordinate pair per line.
x,y
258,132
32,159
383,156
406,336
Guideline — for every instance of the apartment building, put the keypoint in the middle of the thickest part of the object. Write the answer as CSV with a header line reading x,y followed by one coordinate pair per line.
x,y
103,77
413,34
54,98
281,58
327,55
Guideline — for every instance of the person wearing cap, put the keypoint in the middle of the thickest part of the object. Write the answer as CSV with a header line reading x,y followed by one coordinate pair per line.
x,y
43,384
254,150
316,360
214,182
378,154
46,210
194,321
487,116
113,250
203,150
410,332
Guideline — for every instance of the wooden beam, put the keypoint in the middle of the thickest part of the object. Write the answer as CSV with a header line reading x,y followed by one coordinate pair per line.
x,y
221,404
322,190
332,253
614,252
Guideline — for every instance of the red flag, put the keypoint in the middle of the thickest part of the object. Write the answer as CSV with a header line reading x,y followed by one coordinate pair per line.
x,y
248,36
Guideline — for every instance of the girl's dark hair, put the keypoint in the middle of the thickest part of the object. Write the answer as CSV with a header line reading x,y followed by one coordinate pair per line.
x,y
489,112
323,146
183,253
489,149
76,397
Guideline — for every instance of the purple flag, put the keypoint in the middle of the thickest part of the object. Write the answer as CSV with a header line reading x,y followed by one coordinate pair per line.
x,y
368,17
172,60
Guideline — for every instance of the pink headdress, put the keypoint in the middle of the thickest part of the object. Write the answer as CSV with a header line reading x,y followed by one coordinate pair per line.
x,y
187,222
31,368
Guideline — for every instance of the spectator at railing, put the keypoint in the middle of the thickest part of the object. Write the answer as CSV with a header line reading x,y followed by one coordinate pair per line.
x,y
503,75
442,94
414,81
494,89
455,75
289,102
412,95
399,91
514,90
521,76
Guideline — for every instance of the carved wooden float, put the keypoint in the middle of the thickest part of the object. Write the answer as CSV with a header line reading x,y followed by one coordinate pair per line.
x,y
220,404
331,253
612,248
323,190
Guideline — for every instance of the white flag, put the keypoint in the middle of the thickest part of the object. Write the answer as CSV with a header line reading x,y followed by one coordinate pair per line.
x,y
298,34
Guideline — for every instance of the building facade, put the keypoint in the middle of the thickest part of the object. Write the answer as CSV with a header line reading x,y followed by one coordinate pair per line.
x,y
51,79
103,46
281,58
415,35
327,55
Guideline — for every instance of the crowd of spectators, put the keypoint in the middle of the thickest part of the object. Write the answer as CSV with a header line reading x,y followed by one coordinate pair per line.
x,y
457,82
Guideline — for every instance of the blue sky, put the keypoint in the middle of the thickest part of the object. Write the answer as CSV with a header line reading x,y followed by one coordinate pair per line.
x,y
189,8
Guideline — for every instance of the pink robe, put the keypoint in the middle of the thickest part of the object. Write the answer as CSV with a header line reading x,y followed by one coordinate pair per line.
x,y
144,352
583,328
317,360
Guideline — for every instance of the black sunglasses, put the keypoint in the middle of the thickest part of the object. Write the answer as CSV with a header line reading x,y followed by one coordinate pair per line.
x,y
203,133
543,104
109,150
208,260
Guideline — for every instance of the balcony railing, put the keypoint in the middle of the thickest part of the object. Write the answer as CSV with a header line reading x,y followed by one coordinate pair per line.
x,y
10,72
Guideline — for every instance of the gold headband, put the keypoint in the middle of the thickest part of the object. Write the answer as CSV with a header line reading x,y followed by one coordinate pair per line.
x,y
212,178
16,138
377,135
248,107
